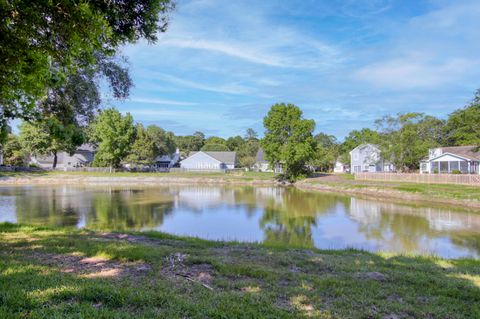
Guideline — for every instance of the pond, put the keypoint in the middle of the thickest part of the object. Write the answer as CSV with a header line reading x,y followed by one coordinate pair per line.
x,y
272,215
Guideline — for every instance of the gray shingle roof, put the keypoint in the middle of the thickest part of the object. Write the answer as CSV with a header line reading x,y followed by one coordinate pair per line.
x,y
260,158
224,157
471,152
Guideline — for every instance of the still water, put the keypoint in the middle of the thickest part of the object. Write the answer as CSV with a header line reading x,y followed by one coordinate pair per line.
x,y
284,216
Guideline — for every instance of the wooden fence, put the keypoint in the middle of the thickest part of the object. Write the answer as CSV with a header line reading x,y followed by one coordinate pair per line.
x,y
461,179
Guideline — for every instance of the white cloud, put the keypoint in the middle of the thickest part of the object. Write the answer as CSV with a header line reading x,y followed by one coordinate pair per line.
x,y
410,73
160,101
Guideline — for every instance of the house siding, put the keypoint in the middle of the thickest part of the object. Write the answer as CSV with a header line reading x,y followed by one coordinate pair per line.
x,y
202,161
367,158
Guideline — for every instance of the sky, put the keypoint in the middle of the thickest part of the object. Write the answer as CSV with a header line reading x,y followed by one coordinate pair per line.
x,y
222,64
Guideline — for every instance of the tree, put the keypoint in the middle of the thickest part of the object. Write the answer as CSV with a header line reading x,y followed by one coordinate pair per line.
x,y
45,42
13,152
114,135
143,150
288,139
326,153
213,147
190,143
164,141
50,136
235,143
407,138
251,134
463,125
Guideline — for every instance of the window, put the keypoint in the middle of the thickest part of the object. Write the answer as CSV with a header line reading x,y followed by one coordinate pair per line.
x,y
464,167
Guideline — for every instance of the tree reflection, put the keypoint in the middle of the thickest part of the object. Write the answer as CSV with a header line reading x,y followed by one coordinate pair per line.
x,y
102,208
288,219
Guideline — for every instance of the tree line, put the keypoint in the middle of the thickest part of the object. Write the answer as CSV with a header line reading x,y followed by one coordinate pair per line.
x,y
404,140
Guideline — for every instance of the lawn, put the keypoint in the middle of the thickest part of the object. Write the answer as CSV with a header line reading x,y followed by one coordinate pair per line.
x,y
53,273
428,191
231,175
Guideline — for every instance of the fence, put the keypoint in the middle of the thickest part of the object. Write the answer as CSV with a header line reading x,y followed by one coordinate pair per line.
x,y
461,179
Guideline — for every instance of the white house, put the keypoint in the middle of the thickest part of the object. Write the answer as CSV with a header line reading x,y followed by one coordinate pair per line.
x,y
368,158
82,157
455,159
205,161
340,167
262,165
167,161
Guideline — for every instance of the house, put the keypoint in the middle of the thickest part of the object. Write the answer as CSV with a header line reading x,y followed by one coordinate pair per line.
x,y
1,156
82,157
455,159
340,167
368,158
262,165
167,161
209,161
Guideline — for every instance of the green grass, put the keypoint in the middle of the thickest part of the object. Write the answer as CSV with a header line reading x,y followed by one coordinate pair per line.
x,y
428,191
247,281
247,176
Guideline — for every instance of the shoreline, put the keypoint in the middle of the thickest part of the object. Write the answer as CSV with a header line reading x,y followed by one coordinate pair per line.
x,y
396,196
370,192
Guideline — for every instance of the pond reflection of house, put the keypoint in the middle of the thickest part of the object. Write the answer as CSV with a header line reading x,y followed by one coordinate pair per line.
x,y
270,193
203,197
439,219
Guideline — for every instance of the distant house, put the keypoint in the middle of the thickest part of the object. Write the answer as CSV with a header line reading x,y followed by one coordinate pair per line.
x,y
204,160
167,161
262,165
455,159
82,157
340,167
368,158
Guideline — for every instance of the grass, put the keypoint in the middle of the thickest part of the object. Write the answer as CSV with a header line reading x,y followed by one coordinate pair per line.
x,y
246,176
68,273
428,191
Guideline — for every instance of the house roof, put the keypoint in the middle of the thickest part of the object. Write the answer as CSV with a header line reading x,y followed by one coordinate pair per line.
x,y
469,151
364,145
260,158
223,157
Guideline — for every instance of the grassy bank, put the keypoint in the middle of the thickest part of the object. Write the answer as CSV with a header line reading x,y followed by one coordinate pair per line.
x,y
47,273
446,193
62,176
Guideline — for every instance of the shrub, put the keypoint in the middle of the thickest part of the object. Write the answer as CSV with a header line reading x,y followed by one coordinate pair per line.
x,y
456,171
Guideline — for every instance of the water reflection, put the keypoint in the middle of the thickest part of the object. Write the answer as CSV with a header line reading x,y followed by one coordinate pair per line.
x,y
281,216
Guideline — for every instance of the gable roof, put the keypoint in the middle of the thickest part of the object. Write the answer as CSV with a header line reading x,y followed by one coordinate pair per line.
x,y
260,158
223,157
469,151
365,145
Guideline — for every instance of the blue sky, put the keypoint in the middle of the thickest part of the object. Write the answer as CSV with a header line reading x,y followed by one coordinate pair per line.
x,y
222,64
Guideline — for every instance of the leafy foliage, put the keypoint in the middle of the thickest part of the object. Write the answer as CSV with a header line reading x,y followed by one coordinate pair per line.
x,y
143,149
288,139
13,152
326,153
164,142
463,125
114,135
408,137
45,42
50,136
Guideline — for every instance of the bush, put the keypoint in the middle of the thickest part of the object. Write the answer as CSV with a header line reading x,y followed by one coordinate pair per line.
x,y
456,171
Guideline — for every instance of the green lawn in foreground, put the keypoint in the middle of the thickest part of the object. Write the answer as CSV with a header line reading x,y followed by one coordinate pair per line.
x,y
53,273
